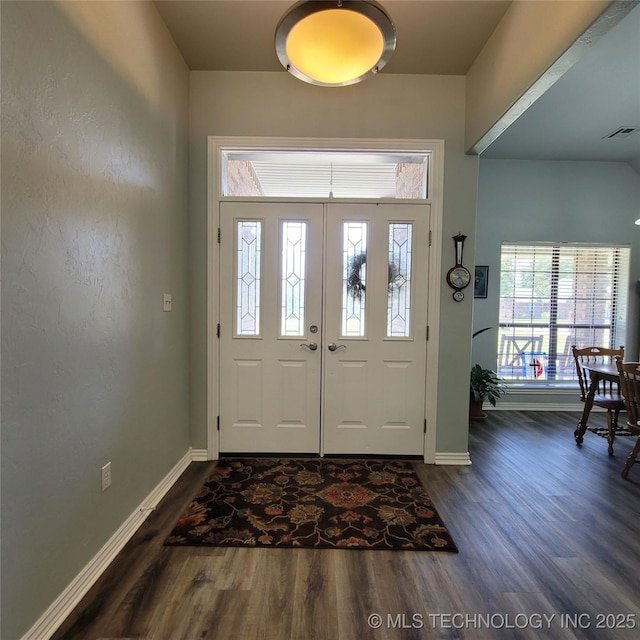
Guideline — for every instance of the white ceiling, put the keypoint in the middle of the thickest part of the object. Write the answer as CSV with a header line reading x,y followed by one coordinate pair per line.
x,y
600,93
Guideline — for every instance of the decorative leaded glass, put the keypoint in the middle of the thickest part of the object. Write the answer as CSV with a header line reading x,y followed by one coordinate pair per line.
x,y
354,279
399,293
292,286
248,278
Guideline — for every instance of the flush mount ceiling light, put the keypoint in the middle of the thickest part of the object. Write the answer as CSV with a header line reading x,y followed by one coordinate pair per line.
x,y
333,43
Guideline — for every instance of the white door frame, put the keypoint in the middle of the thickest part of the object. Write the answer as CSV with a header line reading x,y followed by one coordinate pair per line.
x,y
435,148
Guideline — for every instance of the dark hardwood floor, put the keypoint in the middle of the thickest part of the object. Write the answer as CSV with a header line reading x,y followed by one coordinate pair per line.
x,y
549,540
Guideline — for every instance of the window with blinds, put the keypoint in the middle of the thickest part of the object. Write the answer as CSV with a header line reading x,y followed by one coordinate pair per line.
x,y
553,296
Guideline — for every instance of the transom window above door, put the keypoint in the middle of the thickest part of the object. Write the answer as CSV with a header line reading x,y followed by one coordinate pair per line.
x,y
324,173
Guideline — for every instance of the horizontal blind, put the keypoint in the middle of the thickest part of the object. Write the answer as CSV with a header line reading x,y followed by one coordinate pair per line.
x,y
556,295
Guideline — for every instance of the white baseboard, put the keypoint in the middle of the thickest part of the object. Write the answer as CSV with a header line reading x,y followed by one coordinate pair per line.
x,y
453,458
537,406
64,604
199,455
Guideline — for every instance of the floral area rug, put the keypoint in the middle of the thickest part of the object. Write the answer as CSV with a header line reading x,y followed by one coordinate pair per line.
x,y
315,503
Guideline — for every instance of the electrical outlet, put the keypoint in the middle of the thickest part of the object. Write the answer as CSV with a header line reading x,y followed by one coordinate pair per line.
x,y
106,476
167,303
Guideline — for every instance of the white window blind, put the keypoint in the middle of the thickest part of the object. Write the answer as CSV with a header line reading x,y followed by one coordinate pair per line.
x,y
553,296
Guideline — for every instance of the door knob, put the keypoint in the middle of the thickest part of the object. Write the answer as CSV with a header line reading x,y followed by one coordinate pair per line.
x,y
334,347
312,346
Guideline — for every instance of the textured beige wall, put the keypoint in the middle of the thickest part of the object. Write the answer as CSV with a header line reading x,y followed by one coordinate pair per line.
x,y
94,231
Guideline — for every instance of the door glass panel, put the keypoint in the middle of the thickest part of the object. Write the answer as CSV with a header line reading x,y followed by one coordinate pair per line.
x,y
292,285
354,251
399,292
248,248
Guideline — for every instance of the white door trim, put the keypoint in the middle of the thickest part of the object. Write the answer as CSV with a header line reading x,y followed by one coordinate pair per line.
x,y
436,187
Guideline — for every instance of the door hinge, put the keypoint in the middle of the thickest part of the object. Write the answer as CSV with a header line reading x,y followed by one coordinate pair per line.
x,y
218,423
427,332
218,330
425,425
429,237
220,235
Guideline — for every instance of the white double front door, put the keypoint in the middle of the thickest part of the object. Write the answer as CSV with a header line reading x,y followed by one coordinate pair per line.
x,y
323,328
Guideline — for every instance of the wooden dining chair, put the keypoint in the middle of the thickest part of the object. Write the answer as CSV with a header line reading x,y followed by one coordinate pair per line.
x,y
630,391
607,394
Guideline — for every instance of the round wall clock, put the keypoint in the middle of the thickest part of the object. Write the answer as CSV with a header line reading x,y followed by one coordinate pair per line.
x,y
458,277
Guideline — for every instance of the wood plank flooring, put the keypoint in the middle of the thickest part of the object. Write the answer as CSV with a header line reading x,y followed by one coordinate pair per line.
x,y
544,528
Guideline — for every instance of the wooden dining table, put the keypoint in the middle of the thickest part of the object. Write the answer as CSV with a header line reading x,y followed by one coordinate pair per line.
x,y
597,372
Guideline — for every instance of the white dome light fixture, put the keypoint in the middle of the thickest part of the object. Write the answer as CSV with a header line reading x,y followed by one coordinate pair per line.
x,y
334,43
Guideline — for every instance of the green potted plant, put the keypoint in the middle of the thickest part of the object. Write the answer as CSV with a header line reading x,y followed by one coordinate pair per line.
x,y
485,385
